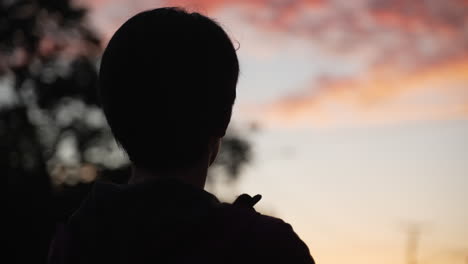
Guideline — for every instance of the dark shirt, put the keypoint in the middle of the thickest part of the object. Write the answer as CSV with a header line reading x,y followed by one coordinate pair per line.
x,y
167,221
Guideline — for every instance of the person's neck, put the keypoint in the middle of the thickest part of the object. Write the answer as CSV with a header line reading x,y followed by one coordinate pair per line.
x,y
195,176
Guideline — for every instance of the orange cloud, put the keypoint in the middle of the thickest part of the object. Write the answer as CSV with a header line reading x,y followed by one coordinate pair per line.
x,y
408,41
215,4
333,24
385,95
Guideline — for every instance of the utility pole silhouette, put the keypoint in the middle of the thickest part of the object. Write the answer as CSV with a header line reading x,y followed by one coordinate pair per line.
x,y
413,232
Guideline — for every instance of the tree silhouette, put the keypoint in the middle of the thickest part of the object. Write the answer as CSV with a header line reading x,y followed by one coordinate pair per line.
x,y
53,136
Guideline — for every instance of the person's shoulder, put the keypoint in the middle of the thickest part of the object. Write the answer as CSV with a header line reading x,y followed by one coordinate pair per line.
x,y
268,239
278,241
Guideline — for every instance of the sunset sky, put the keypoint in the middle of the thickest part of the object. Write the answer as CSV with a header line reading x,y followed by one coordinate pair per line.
x,y
362,108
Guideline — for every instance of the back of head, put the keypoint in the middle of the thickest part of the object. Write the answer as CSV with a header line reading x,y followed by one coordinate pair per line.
x,y
167,85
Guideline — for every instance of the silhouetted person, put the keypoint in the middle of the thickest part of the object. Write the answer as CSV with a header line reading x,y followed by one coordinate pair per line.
x,y
168,83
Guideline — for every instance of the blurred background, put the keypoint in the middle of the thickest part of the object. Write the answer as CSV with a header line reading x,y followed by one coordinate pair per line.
x,y
351,120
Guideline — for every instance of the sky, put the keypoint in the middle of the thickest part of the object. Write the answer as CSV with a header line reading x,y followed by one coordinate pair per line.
x,y
362,109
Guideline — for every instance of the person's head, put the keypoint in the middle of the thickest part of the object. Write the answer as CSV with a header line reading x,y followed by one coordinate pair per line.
x,y
167,84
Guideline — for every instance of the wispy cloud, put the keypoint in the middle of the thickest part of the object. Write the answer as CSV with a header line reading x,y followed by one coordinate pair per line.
x,y
384,96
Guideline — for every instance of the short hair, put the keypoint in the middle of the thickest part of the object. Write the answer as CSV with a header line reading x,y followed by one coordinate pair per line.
x,y
167,84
